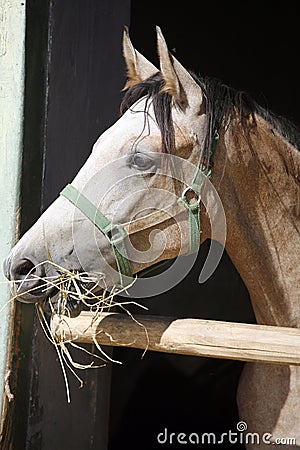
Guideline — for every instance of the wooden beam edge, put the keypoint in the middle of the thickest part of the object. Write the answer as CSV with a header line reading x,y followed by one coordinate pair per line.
x,y
197,337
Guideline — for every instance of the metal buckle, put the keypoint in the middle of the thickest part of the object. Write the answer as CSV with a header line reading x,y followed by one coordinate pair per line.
x,y
116,234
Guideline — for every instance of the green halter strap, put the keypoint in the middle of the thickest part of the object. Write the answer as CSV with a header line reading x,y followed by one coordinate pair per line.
x,y
117,234
203,170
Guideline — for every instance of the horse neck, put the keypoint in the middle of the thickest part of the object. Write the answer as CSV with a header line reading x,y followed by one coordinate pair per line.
x,y
256,180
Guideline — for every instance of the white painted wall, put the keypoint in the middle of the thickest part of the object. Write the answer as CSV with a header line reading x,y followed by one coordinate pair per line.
x,y
12,49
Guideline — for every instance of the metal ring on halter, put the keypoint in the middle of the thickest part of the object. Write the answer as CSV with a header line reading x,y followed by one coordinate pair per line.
x,y
189,205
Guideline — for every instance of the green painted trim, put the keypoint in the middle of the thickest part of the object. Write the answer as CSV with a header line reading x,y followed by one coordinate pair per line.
x,y
12,53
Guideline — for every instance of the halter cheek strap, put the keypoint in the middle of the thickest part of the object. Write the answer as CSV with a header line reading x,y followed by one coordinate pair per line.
x,y
191,196
117,234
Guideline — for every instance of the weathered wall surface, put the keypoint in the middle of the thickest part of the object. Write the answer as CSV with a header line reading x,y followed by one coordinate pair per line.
x,y
12,38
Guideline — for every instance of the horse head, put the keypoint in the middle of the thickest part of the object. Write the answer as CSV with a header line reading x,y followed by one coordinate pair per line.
x,y
136,200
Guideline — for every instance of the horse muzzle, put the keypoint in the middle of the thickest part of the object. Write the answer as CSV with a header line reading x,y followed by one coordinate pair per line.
x,y
30,285
27,279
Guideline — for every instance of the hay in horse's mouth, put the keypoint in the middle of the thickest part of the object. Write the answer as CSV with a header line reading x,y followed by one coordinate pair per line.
x,y
67,293
53,305
72,291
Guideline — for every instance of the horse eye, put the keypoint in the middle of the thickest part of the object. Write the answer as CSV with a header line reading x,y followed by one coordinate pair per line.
x,y
141,161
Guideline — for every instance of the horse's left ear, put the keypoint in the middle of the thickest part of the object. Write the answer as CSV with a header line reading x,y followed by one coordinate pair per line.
x,y
177,80
138,67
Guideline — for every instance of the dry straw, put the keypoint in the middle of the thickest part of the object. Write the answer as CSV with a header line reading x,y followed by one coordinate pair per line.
x,y
74,290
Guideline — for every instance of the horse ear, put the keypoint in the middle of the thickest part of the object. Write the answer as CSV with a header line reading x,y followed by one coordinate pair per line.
x,y
138,67
177,80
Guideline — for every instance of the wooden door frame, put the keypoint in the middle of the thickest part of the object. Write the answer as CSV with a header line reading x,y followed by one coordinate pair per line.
x,y
59,37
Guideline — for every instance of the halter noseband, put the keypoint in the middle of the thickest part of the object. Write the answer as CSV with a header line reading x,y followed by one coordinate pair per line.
x,y
117,234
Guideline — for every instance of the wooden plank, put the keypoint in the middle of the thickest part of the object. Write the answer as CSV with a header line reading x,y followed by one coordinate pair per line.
x,y
216,339
12,46
84,76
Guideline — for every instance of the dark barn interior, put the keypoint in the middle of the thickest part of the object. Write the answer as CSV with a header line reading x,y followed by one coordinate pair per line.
x,y
251,49
74,77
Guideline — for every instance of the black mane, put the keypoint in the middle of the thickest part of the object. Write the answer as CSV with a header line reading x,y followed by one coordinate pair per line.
x,y
223,103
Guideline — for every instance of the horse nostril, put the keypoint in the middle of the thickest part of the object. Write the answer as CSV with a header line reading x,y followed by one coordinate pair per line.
x,y
24,269
27,279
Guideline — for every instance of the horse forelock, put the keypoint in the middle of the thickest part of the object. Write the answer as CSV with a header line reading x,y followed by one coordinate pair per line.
x,y
162,101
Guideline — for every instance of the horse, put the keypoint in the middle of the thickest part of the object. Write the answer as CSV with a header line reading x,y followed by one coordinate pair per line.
x,y
223,138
